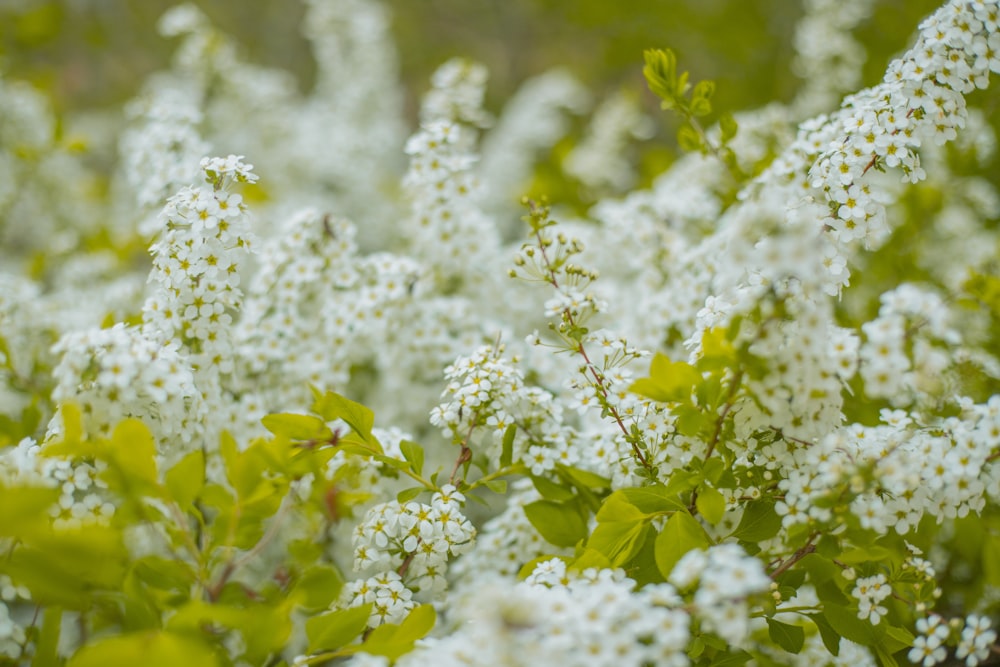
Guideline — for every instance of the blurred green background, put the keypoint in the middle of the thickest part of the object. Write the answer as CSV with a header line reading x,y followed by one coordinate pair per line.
x,y
93,53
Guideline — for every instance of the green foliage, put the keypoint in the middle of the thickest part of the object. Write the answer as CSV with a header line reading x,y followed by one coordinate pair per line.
x,y
178,605
673,90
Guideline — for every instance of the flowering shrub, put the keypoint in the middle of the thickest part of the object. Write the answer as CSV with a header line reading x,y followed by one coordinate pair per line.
x,y
352,413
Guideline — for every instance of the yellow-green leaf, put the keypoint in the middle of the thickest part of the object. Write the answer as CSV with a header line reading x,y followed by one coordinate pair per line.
x,y
330,631
711,504
187,478
681,534
150,649
668,381
297,427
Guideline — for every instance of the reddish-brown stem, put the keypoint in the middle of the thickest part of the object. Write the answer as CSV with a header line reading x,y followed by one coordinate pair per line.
x,y
869,165
215,590
466,453
598,379
405,565
803,551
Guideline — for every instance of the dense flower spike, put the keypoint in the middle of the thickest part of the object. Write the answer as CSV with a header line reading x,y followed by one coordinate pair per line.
x,y
746,415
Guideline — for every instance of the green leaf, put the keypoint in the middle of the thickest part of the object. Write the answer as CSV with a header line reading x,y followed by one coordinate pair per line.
x,y
187,478
413,453
72,420
991,559
507,449
133,451
760,522
590,558
406,495
869,554
820,569
845,621
711,504
65,567
689,140
559,523
714,469
732,658
668,382
727,127
617,507
682,86
787,636
661,74
585,478
330,631
621,529
265,628
681,481
297,427
653,499
318,587
641,566
393,641
681,534
620,541
693,422
700,104
47,644
332,405
885,657
23,507
149,648
897,638
551,490
497,486
830,637
164,573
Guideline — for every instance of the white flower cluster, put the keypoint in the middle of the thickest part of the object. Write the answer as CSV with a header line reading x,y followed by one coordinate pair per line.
x,y
599,161
325,306
479,387
828,58
592,619
38,159
449,228
904,354
723,578
973,644
870,592
391,600
456,94
120,372
814,359
82,493
486,395
921,99
196,267
12,629
314,306
897,472
162,148
350,131
978,637
410,545
504,543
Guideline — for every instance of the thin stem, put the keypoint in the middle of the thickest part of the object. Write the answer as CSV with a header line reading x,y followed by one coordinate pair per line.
x,y
802,552
598,378
717,433
466,454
